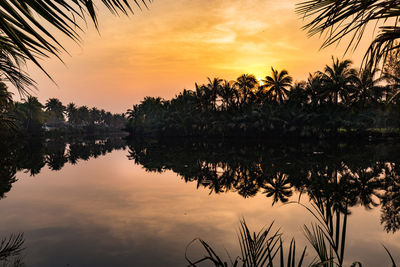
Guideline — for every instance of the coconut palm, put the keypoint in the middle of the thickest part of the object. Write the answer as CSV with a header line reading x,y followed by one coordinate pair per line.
x,y
368,87
315,89
298,95
56,109
30,113
83,115
95,115
246,84
71,111
6,101
338,80
214,87
278,85
227,94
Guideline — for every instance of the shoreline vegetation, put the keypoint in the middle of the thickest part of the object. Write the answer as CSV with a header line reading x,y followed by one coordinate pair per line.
x,y
53,119
339,101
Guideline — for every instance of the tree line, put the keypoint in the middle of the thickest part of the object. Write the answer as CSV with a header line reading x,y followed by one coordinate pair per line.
x,y
33,118
337,100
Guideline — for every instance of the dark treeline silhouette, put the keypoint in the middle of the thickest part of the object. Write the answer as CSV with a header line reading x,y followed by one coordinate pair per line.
x,y
337,101
30,117
32,154
335,175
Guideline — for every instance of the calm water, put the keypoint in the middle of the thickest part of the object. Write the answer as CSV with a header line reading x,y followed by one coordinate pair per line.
x,y
106,202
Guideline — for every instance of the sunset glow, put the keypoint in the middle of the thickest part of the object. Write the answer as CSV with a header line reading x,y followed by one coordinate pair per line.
x,y
173,44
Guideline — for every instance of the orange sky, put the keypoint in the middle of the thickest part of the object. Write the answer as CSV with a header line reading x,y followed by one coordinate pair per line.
x,y
176,43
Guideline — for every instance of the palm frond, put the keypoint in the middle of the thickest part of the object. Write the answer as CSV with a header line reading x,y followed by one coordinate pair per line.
x,y
335,20
24,36
11,246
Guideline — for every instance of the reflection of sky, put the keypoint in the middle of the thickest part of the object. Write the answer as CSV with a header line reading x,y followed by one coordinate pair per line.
x,y
109,212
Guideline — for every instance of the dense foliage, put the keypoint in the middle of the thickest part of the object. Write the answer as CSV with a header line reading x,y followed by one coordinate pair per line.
x,y
30,117
338,100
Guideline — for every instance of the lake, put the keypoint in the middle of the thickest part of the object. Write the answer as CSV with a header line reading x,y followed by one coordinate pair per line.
x,y
112,202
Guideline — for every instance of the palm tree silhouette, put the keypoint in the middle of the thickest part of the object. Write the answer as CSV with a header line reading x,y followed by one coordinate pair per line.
x,y
71,111
56,109
278,85
279,188
339,79
246,83
214,87
368,89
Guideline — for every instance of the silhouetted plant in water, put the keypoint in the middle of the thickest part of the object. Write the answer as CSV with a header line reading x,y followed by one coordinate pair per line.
x,y
264,248
327,237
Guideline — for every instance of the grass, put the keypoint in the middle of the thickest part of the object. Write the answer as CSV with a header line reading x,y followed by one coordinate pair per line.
x,y
265,248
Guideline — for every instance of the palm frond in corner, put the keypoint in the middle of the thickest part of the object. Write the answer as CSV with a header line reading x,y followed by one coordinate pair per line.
x,y
11,246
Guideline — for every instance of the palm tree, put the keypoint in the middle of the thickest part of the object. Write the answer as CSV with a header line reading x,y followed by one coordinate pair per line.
x,y
278,85
25,29
7,121
391,74
83,115
368,89
6,101
227,94
204,96
214,87
246,83
71,111
56,109
298,95
95,115
342,18
30,113
315,89
339,79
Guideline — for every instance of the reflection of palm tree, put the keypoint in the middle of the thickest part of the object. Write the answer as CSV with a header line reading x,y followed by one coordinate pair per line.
x,y
278,85
366,184
279,188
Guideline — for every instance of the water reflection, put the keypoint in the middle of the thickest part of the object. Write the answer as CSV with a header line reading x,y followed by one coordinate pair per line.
x,y
87,214
334,176
32,155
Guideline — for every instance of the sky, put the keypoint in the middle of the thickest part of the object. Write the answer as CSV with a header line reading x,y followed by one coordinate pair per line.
x,y
175,43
